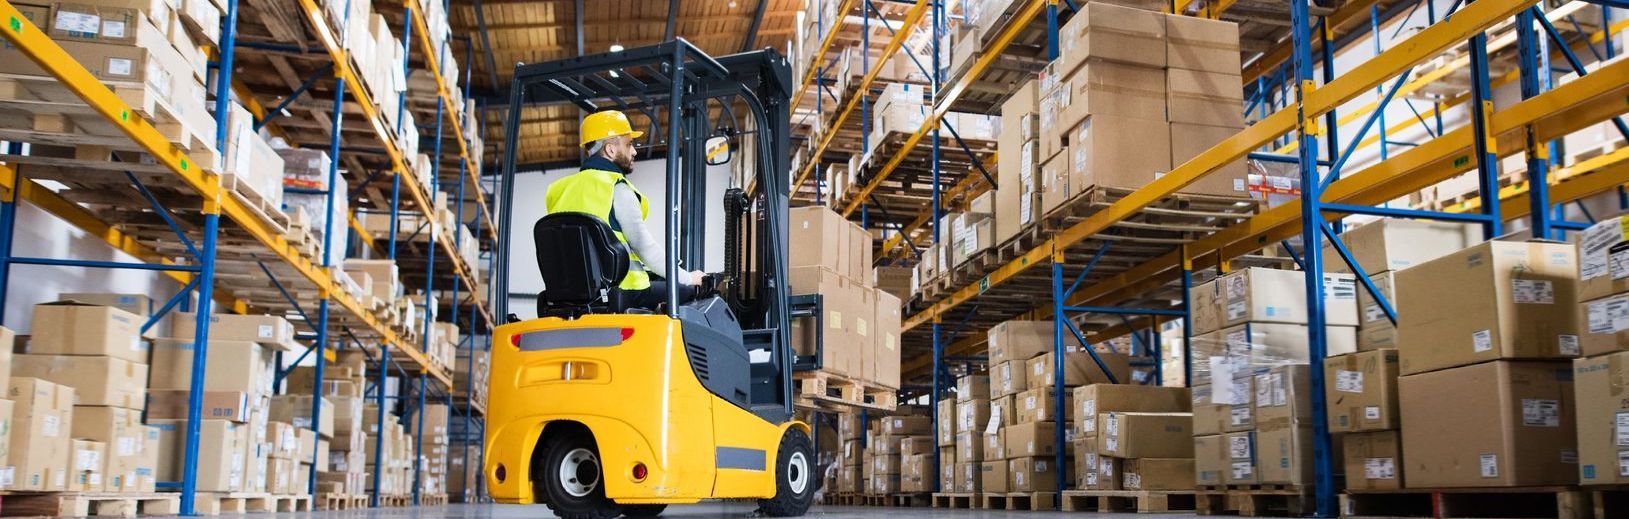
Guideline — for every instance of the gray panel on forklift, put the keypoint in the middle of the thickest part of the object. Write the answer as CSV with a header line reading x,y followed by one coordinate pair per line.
x,y
740,458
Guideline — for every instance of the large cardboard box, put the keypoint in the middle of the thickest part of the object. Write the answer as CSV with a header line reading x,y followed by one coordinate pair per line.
x,y
1361,391
1496,300
821,238
137,304
1019,340
1603,259
171,404
885,340
969,476
1210,461
1280,296
1374,460
1145,435
271,331
994,476
147,467
1189,140
1031,439
970,446
1391,244
234,366
222,470
1603,418
1157,474
1111,32
1004,410
1196,43
1108,472
1016,169
42,419
121,431
1039,405
906,425
1256,344
1284,455
1033,474
1112,151
85,466
108,381
1376,330
1240,453
995,444
1091,400
1102,87
1283,397
1605,324
74,328
1207,307
1010,378
972,415
972,387
946,420
1208,98
840,347
1512,421
1211,418
296,410
1055,179
1079,369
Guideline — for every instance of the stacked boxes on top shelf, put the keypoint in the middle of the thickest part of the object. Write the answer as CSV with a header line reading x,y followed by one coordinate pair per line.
x,y
1360,388
860,329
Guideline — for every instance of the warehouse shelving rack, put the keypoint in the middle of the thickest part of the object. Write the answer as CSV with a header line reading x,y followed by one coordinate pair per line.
x,y
220,260
1294,111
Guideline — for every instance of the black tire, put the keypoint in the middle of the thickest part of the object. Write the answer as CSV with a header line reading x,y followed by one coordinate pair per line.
x,y
643,510
582,495
794,467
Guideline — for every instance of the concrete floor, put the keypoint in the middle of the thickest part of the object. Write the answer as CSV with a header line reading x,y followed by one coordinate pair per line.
x,y
709,510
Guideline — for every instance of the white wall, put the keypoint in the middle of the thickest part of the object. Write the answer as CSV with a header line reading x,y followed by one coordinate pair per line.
x,y
648,177
39,234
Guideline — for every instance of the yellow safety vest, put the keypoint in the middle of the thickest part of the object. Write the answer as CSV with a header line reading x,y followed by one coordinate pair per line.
x,y
590,191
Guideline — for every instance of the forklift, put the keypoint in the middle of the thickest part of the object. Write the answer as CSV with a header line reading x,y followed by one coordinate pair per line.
x,y
600,410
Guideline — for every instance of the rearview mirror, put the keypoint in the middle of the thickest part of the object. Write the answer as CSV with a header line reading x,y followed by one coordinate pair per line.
x,y
718,151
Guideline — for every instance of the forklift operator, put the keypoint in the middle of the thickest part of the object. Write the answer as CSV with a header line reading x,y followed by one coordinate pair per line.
x,y
601,189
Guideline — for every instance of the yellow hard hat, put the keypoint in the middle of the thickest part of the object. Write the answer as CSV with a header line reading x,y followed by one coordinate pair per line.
x,y
606,124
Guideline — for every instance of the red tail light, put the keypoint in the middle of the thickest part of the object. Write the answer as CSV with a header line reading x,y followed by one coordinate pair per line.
x,y
639,472
627,333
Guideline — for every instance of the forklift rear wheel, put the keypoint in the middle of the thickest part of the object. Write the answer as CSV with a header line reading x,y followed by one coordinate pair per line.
x,y
573,477
794,477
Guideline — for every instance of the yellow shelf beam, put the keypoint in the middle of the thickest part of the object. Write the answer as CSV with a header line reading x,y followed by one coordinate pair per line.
x,y
819,55
432,61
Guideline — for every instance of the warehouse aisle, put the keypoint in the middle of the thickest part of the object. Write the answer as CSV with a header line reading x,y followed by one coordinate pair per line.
x,y
708,510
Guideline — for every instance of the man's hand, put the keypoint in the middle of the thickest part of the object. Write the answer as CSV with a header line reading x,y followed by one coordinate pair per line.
x,y
693,278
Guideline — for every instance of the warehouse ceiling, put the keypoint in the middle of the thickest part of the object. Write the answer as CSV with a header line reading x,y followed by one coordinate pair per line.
x,y
534,31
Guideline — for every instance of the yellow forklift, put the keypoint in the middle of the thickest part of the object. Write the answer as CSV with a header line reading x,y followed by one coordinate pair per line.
x,y
599,410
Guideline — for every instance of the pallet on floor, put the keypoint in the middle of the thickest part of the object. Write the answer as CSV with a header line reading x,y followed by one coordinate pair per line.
x,y
1609,501
85,504
909,500
822,390
962,500
1140,501
396,500
1255,500
340,501
1555,502
432,499
1032,501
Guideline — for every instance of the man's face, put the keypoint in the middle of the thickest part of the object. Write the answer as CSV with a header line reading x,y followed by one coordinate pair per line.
x,y
621,151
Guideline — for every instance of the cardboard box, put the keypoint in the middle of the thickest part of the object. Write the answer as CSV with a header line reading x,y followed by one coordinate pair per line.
x,y
1039,405
1108,472
108,381
222,471
1605,324
1361,391
1078,369
972,415
1208,98
1114,33
969,477
885,341
1016,170
1213,418
995,445
85,465
1376,331
916,445
972,387
1256,345
1513,423
970,446
43,419
147,467
1101,87
1374,460
946,423
995,476
1207,307
1266,295
1603,419
1010,378
1031,439
278,472
271,331
885,464
906,425
1496,300
1283,397
1240,453
1102,398
296,410
1019,340
73,328
1157,474
1284,455
840,347
1055,175
137,304
1196,43
1145,435
1390,244
1004,410
235,366
822,239
1190,140
1033,474
1117,152
1603,259
1210,460
120,430
171,404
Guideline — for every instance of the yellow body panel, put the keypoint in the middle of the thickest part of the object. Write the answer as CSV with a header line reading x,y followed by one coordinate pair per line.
x,y
643,404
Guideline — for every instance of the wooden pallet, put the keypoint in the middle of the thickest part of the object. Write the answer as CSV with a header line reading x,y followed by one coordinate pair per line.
x,y
1031,501
83,504
340,501
829,391
845,499
45,95
1556,502
396,500
1140,501
1255,500
432,499
909,500
1609,502
961,500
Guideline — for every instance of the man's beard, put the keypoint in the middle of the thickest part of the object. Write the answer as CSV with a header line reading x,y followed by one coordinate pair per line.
x,y
625,162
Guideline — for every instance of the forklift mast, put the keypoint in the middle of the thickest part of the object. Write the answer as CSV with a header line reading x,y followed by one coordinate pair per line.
x,y
678,85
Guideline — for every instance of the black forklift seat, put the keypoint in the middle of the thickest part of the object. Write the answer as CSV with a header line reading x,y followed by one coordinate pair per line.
x,y
582,263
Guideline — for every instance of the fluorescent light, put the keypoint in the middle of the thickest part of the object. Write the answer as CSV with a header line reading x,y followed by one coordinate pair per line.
x,y
616,47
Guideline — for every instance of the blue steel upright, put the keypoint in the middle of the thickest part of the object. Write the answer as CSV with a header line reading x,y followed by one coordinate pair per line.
x,y
1312,259
1538,165
323,306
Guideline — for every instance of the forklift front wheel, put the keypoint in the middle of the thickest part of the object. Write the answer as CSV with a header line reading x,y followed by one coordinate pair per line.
x,y
794,477
573,478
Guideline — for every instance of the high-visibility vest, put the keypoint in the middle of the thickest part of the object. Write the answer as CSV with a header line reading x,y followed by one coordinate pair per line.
x,y
590,191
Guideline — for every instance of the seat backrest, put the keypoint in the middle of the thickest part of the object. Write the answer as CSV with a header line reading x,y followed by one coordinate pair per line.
x,y
581,261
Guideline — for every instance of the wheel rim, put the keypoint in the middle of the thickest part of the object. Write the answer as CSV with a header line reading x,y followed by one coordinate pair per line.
x,y
579,472
797,473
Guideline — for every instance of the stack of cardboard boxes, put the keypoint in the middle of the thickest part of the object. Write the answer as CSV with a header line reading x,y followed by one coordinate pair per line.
x,y
850,455
338,455
1361,388
396,475
900,456
1484,340
433,461
1598,378
1252,381
1129,437
859,336
972,417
